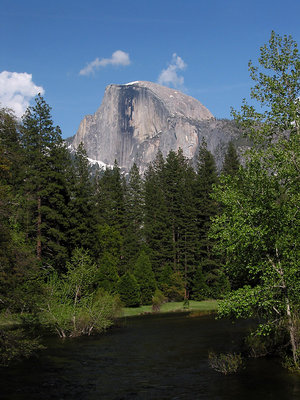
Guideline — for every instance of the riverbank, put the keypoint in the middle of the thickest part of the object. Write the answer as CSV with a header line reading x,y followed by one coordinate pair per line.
x,y
193,306
205,306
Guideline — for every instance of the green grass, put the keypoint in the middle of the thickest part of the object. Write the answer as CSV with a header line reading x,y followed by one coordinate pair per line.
x,y
194,306
9,320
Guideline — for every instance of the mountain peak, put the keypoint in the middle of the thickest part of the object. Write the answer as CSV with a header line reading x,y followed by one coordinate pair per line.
x,y
175,100
138,118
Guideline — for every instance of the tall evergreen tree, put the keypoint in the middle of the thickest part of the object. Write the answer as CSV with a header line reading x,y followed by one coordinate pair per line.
x,y
156,228
107,276
110,198
129,290
81,208
134,215
231,161
170,217
45,183
178,182
110,213
18,269
145,277
206,208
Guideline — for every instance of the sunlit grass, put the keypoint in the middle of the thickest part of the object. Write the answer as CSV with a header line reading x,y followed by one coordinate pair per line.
x,y
194,306
7,320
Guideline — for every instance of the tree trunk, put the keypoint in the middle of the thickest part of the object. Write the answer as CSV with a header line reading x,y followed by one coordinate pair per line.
x,y
75,303
292,331
174,247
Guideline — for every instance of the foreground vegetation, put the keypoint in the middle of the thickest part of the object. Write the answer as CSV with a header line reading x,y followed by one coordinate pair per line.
x,y
77,246
259,227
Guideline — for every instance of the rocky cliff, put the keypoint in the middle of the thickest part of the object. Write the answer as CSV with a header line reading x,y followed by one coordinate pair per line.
x,y
137,119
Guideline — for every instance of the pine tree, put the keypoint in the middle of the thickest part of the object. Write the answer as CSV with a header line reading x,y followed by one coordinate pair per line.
x,y
81,207
156,228
200,286
56,208
178,182
231,161
110,211
170,214
45,191
172,284
206,209
108,240
107,276
145,277
134,215
110,198
18,267
129,290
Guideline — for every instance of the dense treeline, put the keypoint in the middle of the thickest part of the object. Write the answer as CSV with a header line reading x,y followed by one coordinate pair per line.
x,y
75,244
151,231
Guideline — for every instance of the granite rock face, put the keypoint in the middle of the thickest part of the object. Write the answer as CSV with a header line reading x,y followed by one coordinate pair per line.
x,y
137,119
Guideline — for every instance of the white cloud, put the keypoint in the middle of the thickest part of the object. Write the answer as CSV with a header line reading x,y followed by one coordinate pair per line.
x,y
16,91
170,76
119,57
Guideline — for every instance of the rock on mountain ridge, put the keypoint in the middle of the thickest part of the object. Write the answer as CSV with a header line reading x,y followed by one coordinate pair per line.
x,y
138,118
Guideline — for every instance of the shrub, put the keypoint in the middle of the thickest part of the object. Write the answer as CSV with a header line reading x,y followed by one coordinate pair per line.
x,y
226,363
15,345
158,300
72,306
172,284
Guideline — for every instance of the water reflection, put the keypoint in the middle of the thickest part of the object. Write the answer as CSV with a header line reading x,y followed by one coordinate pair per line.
x,y
151,357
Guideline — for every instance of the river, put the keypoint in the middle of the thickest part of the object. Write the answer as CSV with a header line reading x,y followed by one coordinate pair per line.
x,y
151,357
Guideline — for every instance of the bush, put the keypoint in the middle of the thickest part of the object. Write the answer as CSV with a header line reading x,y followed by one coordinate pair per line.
x,y
258,346
15,345
72,306
158,300
93,313
172,284
226,363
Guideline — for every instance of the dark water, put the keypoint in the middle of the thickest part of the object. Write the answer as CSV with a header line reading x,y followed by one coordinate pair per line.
x,y
151,357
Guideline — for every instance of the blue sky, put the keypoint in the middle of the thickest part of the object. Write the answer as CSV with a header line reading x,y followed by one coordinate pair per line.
x,y
71,50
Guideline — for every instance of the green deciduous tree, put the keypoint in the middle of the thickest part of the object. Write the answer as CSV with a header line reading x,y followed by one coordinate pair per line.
x,y
72,305
259,228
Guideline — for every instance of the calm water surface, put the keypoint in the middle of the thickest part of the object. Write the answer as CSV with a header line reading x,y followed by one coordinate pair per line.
x,y
151,357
